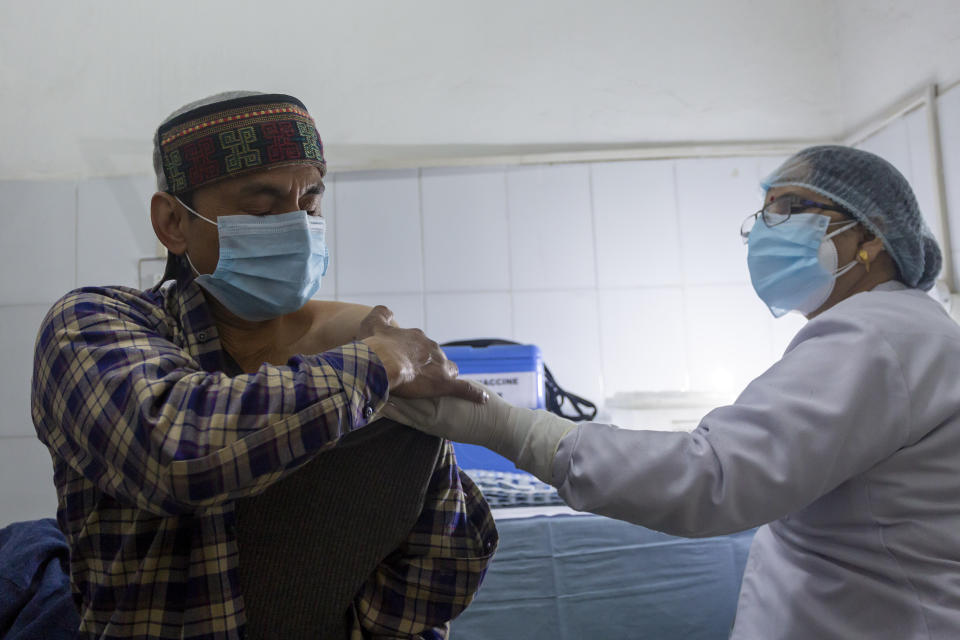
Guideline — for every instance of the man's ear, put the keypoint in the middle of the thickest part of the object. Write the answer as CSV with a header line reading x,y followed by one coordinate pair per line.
x,y
169,222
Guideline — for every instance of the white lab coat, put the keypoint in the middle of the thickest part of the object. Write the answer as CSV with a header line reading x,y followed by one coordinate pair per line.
x,y
849,447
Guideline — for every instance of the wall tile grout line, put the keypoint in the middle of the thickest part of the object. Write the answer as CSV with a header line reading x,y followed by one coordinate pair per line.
x,y
423,252
684,293
506,211
459,292
598,343
76,235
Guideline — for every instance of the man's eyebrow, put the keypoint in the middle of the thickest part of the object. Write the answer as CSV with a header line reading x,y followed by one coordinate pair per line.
x,y
265,188
260,188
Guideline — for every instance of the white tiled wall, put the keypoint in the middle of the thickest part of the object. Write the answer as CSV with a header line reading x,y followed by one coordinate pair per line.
x,y
460,316
18,332
57,235
385,257
38,245
551,240
615,269
921,166
643,344
906,144
603,265
713,198
26,481
466,242
630,276
111,213
729,337
637,231
566,326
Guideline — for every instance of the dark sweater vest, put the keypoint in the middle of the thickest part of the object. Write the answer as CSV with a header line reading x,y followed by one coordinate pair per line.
x,y
309,542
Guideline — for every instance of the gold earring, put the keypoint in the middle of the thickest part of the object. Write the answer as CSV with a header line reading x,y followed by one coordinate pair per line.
x,y
864,258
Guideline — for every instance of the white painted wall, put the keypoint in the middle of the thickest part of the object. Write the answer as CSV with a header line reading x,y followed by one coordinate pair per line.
x,y
888,48
949,107
639,283
86,83
629,276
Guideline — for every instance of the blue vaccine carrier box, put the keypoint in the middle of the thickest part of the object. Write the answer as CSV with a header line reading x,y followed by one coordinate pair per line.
x,y
515,372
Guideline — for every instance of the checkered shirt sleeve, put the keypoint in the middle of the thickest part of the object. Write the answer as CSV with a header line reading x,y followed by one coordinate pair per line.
x,y
139,417
434,575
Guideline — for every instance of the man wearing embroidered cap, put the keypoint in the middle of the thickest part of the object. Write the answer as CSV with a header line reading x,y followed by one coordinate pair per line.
x,y
166,409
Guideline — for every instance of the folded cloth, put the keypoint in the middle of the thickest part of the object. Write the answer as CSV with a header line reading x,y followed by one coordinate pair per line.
x,y
35,597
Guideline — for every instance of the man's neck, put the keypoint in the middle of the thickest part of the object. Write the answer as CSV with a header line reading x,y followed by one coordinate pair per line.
x,y
315,328
253,343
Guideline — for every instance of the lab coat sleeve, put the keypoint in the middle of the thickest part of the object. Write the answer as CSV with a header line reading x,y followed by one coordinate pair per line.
x,y
836,404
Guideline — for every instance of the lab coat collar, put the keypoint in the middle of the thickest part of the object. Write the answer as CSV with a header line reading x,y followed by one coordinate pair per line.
x,y
890,285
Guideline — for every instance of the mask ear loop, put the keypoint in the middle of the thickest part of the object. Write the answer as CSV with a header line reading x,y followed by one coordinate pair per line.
x,y
188,208
845,227
850,265
207,220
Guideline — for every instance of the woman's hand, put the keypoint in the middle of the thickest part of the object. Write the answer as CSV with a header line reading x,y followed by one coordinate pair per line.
x,y
528,438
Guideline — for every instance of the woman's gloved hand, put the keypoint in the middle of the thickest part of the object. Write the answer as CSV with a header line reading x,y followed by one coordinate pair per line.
x,y
528,438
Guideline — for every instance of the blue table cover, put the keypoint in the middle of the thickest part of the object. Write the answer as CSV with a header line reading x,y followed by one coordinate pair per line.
x,y
569,577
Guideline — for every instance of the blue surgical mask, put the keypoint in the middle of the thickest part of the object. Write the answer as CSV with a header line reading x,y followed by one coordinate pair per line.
x,y
269,265
793,265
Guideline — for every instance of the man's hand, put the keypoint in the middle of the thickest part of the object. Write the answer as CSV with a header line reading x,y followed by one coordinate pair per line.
x,y
416,366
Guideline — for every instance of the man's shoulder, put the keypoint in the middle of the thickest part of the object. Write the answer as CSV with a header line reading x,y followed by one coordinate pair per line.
x,y
114,301
330,307
330,324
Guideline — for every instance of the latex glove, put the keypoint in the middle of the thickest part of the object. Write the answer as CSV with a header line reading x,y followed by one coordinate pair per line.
x,y
528,438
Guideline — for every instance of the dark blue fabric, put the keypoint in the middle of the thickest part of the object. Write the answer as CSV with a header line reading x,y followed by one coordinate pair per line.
x,y
35,598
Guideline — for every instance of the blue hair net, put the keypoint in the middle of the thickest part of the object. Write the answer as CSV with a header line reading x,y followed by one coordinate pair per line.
x,y
877,195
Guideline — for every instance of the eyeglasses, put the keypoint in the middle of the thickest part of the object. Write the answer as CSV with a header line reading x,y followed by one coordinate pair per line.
x,y
779,211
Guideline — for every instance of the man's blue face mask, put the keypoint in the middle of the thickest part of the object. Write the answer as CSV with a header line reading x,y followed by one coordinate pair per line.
x,y
793,265
269,265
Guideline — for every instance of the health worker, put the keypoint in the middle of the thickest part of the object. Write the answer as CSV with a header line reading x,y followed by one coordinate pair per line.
x,y
846,451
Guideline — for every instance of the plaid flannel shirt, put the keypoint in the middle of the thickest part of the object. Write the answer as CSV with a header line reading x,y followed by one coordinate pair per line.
x,y
152,442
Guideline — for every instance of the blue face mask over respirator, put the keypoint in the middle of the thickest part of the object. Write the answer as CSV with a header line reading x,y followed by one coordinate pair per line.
x,y
269,265
793,265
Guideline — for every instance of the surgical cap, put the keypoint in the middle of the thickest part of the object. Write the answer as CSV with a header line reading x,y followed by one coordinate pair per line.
x,y
876,194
